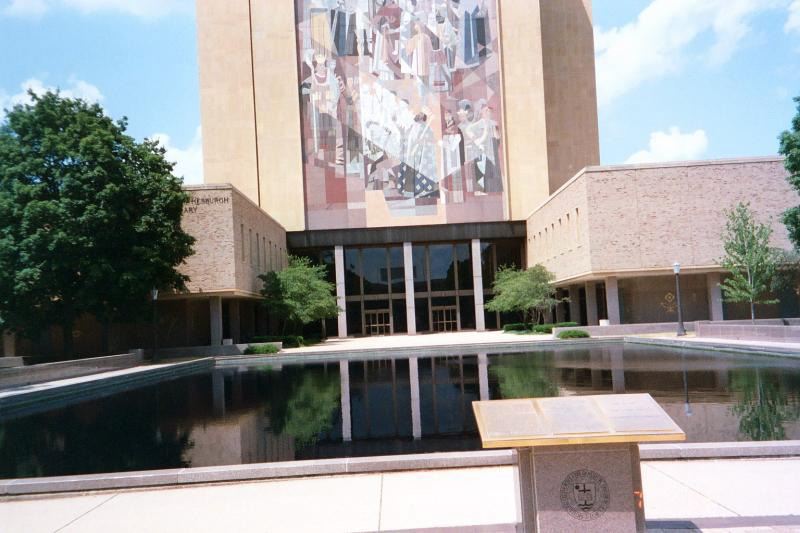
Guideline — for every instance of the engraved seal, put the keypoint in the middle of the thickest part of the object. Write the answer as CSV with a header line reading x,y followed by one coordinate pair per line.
x,y
585,495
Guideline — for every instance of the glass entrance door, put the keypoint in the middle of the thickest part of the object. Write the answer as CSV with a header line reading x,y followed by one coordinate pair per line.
x,y
378,322
445,318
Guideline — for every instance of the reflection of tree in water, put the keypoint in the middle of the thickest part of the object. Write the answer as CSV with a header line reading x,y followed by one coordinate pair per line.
x,y
525,376
112,436
304,403
765,404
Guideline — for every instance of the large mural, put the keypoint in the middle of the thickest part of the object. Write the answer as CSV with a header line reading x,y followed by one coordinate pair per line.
x,y
401,109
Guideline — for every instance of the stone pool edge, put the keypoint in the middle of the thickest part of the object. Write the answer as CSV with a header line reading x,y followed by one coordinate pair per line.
x,y
363,465
751,348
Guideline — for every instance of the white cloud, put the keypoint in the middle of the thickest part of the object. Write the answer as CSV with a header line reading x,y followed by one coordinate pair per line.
x,y
75,88
658,42
139,8
672,146
188,161
793,24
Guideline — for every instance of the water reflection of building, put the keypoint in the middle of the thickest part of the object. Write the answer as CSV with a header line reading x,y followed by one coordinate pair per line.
x,y
423,404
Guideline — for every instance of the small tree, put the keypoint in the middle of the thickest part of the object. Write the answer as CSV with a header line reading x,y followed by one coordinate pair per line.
x,y
530,292
790,148
751,261
299,293
90,219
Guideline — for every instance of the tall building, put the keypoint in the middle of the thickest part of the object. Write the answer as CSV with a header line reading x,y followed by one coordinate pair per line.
x,y
399,139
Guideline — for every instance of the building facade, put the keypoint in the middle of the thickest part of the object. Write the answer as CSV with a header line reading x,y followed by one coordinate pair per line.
x,y
415,146
401,142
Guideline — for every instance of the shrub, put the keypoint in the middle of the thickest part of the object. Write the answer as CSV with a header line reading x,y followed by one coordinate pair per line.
x,y
548,328
289,341
261,349
573,334
517,326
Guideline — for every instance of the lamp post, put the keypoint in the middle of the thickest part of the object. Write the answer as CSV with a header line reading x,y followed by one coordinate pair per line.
x,y
677,269
154,298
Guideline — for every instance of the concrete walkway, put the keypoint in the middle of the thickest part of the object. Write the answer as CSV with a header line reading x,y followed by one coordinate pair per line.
x,y
402,342
744,495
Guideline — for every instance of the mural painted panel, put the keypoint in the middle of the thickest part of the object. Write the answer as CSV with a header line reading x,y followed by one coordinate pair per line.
x,y
401,109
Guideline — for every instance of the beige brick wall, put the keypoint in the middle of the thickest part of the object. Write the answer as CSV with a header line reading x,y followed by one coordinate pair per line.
x,y
644,218
227,257
259,242
558,232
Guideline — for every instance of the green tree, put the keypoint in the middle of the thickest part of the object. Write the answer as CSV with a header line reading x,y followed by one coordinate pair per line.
x,y
790,148
89,218
530,292
300,293
522,376
751,261
764,406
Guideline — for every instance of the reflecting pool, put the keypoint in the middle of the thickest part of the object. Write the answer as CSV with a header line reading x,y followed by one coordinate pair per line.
x,y
238,415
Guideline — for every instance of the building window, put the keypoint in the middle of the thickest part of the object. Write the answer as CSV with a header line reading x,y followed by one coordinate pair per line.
x,y
258,251
250,241
242,240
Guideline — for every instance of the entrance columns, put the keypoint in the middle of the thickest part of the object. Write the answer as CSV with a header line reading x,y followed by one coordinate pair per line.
x,y
215,308
344,378
341,301
408,274
235,321
575,304
591,304
715,309
612,301
9,344
477,284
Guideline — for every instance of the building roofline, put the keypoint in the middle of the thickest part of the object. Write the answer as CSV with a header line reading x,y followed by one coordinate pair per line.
x,y
229,186
650,166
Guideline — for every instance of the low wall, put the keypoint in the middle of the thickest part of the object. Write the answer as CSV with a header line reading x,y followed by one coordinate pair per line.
x,y
749,332
11,362
621,330
225,350
364,465
29,375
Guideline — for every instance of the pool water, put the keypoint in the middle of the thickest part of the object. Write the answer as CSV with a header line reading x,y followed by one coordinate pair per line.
x,y
254,414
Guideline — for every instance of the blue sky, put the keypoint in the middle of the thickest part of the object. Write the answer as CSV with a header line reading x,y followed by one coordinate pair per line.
x,y
677,79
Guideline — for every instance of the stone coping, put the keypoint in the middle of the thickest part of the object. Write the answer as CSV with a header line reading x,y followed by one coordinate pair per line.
x,y
363,465
30,399
214,474
719,345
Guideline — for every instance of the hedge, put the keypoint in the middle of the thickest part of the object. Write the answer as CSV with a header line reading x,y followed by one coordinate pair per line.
x,y
289,341
573,334
261,349
517,326
548,328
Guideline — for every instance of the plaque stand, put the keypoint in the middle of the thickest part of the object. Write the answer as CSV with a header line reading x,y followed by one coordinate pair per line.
x,y
578,458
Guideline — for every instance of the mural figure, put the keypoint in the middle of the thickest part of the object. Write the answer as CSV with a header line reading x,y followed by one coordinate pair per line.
x,y
401,106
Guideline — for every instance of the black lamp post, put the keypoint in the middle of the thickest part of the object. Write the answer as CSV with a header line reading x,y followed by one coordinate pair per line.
x,y
154,297
677,269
